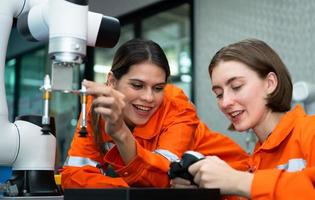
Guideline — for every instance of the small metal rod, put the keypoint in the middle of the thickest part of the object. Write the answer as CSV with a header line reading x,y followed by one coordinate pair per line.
x,y
46,88
83,124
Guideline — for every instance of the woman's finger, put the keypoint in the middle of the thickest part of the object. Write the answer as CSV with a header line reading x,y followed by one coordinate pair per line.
x,y
180,181
103,101
194,168
184,186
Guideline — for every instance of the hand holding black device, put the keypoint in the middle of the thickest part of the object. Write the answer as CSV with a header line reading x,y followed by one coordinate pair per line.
x,y
180,168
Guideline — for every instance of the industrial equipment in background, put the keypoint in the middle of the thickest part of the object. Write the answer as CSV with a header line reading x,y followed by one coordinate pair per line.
x,y
304,93
28,145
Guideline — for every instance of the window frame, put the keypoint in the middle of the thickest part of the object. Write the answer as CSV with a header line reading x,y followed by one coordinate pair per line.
x,y
137,17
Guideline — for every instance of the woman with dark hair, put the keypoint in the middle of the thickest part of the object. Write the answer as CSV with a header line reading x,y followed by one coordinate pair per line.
x,y
137,124
254,91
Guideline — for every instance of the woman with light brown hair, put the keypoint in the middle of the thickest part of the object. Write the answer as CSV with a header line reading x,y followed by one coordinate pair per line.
x,y
254,90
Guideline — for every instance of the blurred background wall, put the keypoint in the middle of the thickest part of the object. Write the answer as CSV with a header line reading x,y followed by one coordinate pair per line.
x,y
286,25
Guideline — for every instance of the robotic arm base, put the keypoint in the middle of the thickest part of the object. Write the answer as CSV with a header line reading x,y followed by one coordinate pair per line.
x,y
35,183
33,170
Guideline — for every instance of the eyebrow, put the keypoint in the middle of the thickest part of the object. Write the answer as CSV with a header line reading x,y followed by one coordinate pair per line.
x,y
227,82
138,80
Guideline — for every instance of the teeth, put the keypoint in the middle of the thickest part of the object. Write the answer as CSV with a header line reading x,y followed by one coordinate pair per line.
x,y
235,113
143,108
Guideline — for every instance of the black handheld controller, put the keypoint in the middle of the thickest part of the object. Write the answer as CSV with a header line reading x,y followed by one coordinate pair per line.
x,y
180,168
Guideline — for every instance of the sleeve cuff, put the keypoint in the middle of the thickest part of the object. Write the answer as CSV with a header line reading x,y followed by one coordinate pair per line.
x,y
129,172
264,183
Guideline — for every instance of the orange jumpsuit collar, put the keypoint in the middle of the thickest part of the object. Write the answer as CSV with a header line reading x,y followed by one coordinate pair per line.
x,y
282,130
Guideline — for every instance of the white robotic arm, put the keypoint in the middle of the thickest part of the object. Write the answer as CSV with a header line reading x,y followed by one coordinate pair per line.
x,y
70,27
9,142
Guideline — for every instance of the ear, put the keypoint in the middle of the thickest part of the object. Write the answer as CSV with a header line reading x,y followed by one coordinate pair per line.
x,y
111,80
272,82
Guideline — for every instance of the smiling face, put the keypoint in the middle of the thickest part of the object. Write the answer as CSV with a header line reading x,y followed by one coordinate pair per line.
x,y
143,87
241,94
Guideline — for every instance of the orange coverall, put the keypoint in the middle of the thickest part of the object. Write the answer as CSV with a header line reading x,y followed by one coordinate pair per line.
x,y
163,139
284,165
211,143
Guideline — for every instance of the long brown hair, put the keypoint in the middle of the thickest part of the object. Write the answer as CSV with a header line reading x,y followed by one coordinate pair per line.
x,y
130,53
